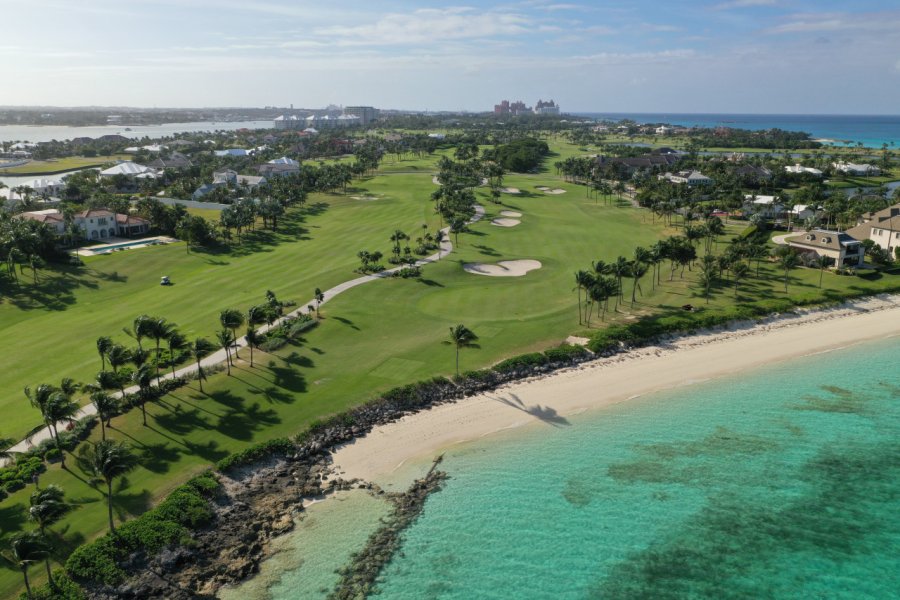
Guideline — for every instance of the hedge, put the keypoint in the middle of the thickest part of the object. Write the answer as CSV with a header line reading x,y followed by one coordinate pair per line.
x,y
255,452
184,509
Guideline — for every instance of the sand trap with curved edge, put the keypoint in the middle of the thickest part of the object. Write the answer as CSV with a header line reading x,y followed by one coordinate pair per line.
x,y
366,198
504,268
543,188
555,191
510,213
505,222
511,190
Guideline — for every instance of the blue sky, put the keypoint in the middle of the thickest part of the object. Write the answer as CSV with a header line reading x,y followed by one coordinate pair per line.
x,y
760,56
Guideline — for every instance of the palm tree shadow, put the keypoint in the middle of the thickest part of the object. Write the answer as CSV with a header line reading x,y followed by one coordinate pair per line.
x,y
545,414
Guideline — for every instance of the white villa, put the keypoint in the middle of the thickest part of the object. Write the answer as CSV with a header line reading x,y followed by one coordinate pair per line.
x,y
857,169
766,206
130,169
691,178
95,224
226,177
799,169
802,212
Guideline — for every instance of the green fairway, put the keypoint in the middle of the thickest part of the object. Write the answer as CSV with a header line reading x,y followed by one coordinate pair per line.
x,y
372,338
60,165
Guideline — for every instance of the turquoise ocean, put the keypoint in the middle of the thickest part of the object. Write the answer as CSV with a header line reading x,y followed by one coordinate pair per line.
x,y
780,482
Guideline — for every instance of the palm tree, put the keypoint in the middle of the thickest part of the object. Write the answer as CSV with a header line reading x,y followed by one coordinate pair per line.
x,y
637,270
619,269
461,337
139,329
320,298
254,339
823,263
226,339
48,506
105,461
104,343
200,348
788,260
232,318
60,408
143,378
583,281
739,270
707,274
159,329
106,407
26,549
40,398
176,342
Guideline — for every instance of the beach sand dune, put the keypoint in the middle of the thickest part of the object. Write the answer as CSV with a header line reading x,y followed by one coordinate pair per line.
x,y
504,268
683,361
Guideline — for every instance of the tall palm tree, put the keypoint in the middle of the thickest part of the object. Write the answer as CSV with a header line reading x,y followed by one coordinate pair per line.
x,y
254,339
40,398
320,298
105,461
104,343
25,549
139,329
106,407
739,271
232,318
176,342
200,348
143,378
48,506
637,270
823,262
159,329
226,339
787,260
583,281
461,337
60,408
619,269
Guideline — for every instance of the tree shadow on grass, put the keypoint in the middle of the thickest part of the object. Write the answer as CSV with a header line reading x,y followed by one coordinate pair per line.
x,y
130,504
209,451
227,398
430,282
295,359
157,458
288,378
346,322
273,395
242,424
12,519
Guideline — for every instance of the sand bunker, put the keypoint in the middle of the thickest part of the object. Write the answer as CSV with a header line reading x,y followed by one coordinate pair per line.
x,y
543,188
510,213
504,268
366,198
511,190
435,181
505,222
555,191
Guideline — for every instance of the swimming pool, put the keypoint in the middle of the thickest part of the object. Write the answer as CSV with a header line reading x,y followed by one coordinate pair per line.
x,y
145,242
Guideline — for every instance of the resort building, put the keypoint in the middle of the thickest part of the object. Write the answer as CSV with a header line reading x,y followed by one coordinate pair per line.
x,y
507,108
799,169
546,108
326,121
95,224
289,122
882,227
842,248
366,114
862,170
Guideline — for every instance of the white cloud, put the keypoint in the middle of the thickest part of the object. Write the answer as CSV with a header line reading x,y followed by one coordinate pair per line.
x,y
427,26
744,4
635,58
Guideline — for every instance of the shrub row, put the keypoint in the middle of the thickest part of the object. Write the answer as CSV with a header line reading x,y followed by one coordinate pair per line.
x,y
185,508
277,446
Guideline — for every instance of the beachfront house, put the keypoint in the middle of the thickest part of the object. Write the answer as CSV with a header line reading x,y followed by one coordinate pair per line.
x,y
766,206
844,250
95,224
799,169
882,227
858,170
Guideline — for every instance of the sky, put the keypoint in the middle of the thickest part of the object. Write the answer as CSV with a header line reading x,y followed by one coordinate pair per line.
x,y
731,56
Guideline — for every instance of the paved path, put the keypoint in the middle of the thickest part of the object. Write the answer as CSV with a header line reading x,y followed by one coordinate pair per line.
x,y
219,356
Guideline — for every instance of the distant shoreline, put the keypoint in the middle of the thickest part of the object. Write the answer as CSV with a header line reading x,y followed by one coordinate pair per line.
x,y
382,454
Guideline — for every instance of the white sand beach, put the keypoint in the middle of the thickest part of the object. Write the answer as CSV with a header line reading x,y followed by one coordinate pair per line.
x,y
684,361
504,268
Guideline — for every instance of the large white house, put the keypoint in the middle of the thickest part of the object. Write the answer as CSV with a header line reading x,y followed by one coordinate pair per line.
x,y
691,178
129,169
882,227
857,169
765,206
95,224
840,247
799,169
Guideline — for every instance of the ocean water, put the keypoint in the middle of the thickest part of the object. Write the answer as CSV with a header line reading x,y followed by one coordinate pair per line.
x,y
783,482
871,130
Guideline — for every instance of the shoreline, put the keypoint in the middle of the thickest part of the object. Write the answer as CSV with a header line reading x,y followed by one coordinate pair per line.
x,y
382,455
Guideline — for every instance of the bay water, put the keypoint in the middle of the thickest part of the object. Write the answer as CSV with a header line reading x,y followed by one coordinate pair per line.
x,y
781,482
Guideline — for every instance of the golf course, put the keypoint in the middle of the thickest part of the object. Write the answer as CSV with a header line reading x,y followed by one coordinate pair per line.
x,y
371,338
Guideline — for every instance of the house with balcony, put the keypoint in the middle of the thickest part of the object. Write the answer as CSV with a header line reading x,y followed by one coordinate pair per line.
x,y
842,248
882,227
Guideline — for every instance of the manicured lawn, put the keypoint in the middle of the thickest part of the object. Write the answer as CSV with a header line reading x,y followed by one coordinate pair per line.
x,y
372,338
61,164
